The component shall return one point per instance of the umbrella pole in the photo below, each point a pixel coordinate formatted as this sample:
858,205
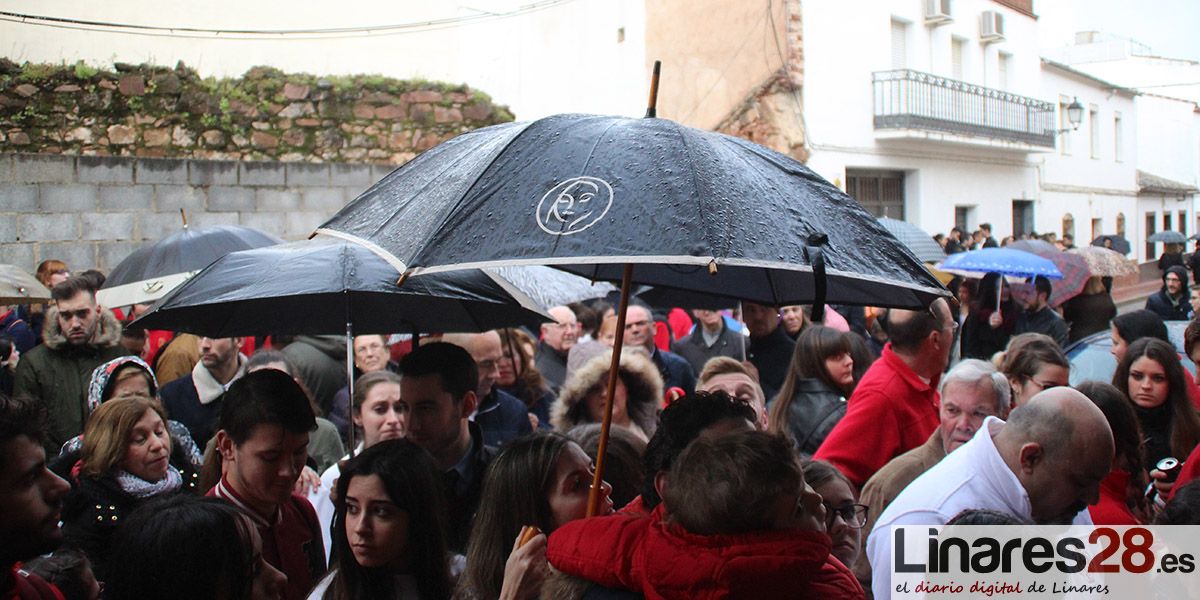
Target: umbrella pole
999,290
613,373
350,379
741,338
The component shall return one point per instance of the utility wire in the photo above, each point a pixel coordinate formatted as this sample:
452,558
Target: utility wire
297,34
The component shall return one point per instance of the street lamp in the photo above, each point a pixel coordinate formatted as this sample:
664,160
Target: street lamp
1074,115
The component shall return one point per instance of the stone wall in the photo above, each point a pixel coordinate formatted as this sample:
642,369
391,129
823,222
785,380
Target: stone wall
150,111
92,211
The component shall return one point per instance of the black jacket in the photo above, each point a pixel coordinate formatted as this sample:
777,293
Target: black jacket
771,355
693,349
463,500
814,410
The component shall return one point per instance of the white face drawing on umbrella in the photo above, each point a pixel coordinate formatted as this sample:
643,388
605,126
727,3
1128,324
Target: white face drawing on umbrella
575,205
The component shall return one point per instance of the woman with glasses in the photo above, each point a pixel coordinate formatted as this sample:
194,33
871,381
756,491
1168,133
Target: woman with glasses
844,517
1032,363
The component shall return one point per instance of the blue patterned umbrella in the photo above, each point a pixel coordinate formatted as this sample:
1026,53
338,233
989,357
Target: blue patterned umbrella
1005,261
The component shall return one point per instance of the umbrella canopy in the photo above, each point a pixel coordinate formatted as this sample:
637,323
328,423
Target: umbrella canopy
915,239
154,270
19,287
692,210
318,287
1005,261
1103,262
1168,237
551,287
1113,242
1074,269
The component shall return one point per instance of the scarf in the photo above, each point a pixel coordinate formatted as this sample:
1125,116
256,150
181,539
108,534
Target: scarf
140,488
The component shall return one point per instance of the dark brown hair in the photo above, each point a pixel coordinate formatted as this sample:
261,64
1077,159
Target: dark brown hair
814,346
1185,424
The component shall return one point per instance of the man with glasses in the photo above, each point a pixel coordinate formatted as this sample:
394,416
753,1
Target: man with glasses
557,339
500,415
970,393
894,408
80,335
1170,302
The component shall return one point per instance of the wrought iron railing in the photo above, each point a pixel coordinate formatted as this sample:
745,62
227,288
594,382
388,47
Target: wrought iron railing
907,99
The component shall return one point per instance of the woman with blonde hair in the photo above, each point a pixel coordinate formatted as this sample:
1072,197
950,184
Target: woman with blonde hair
125,462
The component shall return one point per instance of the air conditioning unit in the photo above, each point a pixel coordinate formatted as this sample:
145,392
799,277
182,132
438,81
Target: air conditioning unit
991,27
937,12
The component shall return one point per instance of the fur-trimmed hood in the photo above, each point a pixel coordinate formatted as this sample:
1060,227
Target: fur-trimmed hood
107,335
642,381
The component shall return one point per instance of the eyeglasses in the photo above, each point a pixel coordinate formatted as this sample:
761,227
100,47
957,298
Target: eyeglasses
854,515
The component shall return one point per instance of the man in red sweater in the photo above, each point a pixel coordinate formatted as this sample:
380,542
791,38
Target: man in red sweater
895,407
263,443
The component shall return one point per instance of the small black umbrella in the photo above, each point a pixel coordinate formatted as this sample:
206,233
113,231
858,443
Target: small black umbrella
323,287
1112,242
152,271
318,287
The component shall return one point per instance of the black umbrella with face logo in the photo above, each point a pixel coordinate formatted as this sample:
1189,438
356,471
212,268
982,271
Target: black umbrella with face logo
635,200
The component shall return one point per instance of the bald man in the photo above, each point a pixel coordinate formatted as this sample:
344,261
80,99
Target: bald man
1045,464
894,408
500,415
557,339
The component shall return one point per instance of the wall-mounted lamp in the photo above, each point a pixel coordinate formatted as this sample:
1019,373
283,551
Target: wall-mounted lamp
1074,115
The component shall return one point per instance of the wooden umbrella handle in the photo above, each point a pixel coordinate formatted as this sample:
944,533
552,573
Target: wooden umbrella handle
613,373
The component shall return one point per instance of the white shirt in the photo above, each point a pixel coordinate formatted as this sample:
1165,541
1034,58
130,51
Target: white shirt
972,477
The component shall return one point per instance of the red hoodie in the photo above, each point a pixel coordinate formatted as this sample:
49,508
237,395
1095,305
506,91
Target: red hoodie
663,562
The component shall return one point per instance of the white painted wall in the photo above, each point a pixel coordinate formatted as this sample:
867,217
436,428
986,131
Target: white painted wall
563,58
845,42
1168,143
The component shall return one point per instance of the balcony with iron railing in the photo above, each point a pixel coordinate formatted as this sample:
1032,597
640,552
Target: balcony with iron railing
920,102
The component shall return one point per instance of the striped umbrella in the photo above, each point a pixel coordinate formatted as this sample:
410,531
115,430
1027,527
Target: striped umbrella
1074,269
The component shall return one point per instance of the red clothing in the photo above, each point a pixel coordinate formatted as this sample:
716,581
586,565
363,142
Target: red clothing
890,412
1111,509
28,586
1189,471
291,539
680,323
661,561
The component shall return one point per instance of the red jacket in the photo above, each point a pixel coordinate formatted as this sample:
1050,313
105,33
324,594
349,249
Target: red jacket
1111,509
1189,471
662,562
890,412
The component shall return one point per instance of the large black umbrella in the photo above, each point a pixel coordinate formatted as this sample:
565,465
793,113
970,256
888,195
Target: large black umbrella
604,197
692,209
152,271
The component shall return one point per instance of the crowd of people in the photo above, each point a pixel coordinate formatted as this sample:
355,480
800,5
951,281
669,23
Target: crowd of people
755,452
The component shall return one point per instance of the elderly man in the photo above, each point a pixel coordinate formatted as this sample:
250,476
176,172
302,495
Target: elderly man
1038,317
195,398
770,349
1045,464
79,335
557,339
500,415
894,408
970,393
639,333
709,339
